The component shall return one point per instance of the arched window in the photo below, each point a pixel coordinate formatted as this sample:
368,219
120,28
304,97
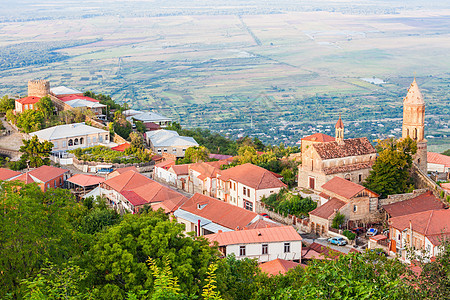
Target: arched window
407,131
415,133
347,177
70,142
81,141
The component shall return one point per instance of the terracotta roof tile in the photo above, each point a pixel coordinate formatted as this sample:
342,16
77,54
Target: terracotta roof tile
339,123
85,180
319,137
28,100
128,180
180,169
121,147
431,223
261,223
326,252
343,187
277,266
126,169
350,147
165,164
439,159
252,176
253,236
7,173
25,177
219,212
47,173
327,209
205,169
348,168
417,204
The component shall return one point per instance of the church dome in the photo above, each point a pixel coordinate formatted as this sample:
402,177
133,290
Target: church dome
414,96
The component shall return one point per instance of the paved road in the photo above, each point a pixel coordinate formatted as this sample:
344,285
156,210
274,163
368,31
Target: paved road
308,239
12,141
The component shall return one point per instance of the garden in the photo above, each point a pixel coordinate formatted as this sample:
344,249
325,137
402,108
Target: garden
287,203
131,155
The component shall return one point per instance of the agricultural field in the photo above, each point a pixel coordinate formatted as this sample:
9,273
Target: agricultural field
278,71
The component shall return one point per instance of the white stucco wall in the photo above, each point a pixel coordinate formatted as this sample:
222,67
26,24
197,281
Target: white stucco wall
275,250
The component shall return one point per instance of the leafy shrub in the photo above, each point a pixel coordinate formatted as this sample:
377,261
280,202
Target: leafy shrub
350,235
287,203
338,220
105,154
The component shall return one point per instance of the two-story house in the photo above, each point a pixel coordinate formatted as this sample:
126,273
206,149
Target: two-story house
71,136
354,201
264,244
246,184
169,141
419,234
204,215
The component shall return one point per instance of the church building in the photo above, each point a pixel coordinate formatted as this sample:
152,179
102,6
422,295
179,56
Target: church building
324,157
414,123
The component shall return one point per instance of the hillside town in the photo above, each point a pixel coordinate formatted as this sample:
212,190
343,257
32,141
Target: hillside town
329,204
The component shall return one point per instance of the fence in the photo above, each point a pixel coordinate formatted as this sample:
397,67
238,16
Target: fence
300,224
85,166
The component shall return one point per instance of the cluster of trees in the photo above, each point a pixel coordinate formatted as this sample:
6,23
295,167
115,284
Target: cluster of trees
390,173
285,202
104,154
53,247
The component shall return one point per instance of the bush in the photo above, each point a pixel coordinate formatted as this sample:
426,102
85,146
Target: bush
286,203
338,220
350,235
105,154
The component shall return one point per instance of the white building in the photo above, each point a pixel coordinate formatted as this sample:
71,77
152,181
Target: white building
246,184
169,141
147,117
438,163
72,136
264,244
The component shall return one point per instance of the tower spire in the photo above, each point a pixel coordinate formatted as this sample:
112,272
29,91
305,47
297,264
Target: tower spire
339,130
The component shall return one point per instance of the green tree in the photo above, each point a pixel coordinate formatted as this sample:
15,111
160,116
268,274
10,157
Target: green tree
390,173
36,153
194,155
338,220
446,152
6,104
136,140
117,260
210,289
30,120
166,284
34,227
46,106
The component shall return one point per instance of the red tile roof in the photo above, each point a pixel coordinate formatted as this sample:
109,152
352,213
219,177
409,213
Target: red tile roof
121,147
434,224
47,173
7,173
29,100
446,186
339,123
326,252
205,169
86,180
252,176
170,205
439,159
66,98
151,126
319,137
378,237
165,164
350,147
348,168
326,210
261,223
343,187
181,169
126,169
253,236
219,212
128,180
277,266
25,177
417,204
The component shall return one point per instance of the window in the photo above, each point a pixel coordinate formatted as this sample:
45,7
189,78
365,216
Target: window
31,106
100,139
70,142
106,137
248,192
55,145
54,182
94,139
184,149
88,140
241,250
265,248
360,177
159,150
234,185
165,150
26,106
354,208
64,144
248,205
75,142
287,247
174,150
244,190
81,141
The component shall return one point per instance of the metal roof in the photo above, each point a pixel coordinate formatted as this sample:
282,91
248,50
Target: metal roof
62,90
66,130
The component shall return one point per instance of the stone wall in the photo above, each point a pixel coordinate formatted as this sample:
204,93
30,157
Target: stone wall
422,181
297,223
400,197
38,88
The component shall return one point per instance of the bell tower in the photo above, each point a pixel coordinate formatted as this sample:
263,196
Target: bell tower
414,123
339,131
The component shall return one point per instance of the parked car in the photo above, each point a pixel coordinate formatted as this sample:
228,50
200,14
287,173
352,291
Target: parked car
264,215
337,241
372,232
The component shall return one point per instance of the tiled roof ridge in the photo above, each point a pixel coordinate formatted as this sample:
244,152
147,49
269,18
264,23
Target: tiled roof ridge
123,186
428,223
